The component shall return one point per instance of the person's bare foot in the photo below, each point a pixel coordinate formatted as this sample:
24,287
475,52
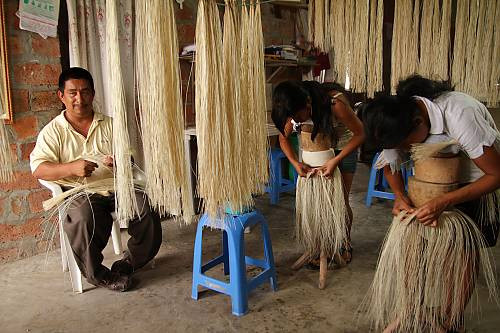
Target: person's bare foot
346,251
392,327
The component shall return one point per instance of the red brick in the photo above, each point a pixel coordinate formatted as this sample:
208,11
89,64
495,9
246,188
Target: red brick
45,100
26,150
37,74
20,100
47,47
13,150
31,227
25,127
8,254
14,46
16,205
35,200
23,180
2,200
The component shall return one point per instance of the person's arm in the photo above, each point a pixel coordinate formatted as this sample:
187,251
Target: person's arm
488,163
56,171
286,147
346,116
401,201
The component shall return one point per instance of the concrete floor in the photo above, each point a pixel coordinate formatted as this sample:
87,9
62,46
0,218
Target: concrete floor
36,296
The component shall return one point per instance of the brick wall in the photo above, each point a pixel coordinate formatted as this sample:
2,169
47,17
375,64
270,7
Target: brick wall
35,65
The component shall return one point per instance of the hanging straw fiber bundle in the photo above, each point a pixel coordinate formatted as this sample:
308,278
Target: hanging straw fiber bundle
493,88
435,39
232,45
216,152
257,123
239,105
375,61
318,21
350,28
471,38
349,35
459,49
404,41
359,44
475,68
126,206
337,26
230,107
6,166
158,81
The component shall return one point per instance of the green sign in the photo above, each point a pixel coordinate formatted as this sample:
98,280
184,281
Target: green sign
46,9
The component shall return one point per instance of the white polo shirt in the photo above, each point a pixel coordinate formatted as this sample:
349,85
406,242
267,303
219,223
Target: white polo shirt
59,142
464,119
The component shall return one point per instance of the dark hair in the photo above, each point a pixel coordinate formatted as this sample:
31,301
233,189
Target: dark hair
290,97
75,73
389,120
417,85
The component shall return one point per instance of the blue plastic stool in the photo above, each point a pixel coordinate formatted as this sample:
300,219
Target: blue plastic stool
234,260
377,185
278,183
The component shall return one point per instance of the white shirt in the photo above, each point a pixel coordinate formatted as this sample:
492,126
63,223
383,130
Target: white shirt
464,119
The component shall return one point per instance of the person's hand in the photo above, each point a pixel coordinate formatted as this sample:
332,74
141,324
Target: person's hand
328,168
303,169
429,213
82,168
402,202
108,161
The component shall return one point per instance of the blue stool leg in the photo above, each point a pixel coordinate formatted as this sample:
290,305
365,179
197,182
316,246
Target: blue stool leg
371,184
238,278
225,252
197,257
268,253
276,181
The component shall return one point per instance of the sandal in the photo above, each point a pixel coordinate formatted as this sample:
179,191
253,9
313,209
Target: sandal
346,250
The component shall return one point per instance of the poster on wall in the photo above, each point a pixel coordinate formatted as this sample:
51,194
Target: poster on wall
39,16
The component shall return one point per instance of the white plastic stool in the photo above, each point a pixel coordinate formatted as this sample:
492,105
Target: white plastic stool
68,259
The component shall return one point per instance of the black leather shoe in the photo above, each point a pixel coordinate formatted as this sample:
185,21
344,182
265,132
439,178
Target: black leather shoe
114,281
122,267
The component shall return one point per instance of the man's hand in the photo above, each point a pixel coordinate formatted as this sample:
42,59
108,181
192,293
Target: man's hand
303,169
108,161
429,213
402,202
82,168
328,168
